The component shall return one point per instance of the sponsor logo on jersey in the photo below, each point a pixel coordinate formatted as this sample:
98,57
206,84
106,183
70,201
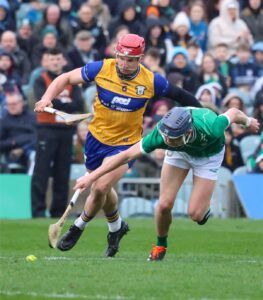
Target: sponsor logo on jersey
121,100
140,89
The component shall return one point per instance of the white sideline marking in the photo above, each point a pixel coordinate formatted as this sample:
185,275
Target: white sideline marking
57,258
66,296
54,258
247,261
51,258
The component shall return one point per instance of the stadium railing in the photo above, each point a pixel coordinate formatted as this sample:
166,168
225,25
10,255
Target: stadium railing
138,196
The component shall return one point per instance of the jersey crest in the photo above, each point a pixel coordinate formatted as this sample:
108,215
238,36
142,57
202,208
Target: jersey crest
140,89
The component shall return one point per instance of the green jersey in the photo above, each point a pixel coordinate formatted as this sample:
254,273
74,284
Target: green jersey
208,135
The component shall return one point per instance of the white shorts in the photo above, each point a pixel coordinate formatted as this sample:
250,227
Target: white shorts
204,167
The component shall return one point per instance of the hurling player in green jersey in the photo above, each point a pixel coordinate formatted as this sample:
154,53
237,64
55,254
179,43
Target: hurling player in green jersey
194,139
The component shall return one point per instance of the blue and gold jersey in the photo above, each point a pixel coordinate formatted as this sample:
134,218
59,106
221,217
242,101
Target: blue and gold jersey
120,104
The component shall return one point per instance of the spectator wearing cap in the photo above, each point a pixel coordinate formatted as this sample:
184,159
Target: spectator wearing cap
82,52
252,14
180,30
22,65
162,10
198,26
244,72
257,51
228,28
52,16
87,21
180,65
49,40
128,16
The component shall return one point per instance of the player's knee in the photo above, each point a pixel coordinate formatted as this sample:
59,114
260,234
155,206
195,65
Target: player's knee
165,206
196,215
101,188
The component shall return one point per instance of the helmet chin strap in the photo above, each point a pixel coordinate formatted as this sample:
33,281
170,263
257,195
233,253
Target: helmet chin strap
186,139
126,76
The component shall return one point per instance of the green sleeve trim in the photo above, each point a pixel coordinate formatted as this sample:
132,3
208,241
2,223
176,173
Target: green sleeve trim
141,147
226,116
220,125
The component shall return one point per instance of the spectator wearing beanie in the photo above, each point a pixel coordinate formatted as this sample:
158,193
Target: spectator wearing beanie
180,30
180,65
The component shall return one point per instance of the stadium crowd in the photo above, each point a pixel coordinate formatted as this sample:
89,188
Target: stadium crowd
213,49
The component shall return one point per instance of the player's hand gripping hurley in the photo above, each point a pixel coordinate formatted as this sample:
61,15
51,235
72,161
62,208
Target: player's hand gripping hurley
54,230
69,118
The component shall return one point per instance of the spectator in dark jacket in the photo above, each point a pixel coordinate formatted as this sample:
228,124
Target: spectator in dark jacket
82,51
88,22
180,65
155,37
21,61
25,38
54,141
17,131
127,16
244,72
9,79
253,16
49,40
232,157
6,21
52,16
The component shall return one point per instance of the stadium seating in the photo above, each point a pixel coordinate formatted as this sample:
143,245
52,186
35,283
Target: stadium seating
139,195
136,207
248,145
240,170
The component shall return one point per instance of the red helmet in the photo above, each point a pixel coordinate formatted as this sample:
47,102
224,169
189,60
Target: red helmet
130,45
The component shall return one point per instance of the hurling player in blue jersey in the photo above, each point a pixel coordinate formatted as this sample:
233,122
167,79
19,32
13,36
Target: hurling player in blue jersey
124,87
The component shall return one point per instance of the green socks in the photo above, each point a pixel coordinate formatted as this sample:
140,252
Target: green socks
162,241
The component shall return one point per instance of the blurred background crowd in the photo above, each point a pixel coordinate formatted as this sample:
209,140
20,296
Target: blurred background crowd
211,48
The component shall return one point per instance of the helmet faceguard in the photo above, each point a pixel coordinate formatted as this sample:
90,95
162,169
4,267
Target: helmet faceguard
131,45
176,124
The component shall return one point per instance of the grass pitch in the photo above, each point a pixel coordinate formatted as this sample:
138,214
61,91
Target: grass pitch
221,260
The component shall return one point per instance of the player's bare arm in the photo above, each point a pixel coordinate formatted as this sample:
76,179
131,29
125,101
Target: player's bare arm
57,86
109,165
238,117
